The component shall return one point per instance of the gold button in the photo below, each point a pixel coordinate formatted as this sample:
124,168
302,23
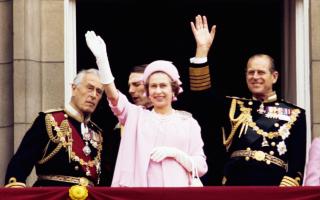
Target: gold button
247,158
76,168
259,155
83,181
273,144
248,148
276,103
250,103
268,162
271,153
276,124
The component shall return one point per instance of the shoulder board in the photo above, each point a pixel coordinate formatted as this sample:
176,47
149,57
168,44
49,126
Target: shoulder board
95,126
240,98
183,113
53,110
291,104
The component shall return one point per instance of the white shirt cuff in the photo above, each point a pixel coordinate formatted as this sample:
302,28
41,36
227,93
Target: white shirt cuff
201,60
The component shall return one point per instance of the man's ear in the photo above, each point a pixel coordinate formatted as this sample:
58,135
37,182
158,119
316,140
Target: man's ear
275,76
73,88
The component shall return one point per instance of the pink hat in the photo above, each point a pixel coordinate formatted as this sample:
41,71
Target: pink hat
163,66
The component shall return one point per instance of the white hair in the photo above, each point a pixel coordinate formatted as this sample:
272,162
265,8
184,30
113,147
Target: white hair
79,77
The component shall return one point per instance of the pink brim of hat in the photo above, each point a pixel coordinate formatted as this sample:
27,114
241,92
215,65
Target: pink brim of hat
163,66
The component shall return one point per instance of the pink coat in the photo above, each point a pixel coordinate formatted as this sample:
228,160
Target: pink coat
144,130
313,164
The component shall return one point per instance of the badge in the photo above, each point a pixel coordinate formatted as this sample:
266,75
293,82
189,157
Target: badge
284,117
282,148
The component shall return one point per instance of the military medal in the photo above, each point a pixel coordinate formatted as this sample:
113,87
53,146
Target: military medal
264,142
282,148
95,139
88,173
86,149
86,137
261,109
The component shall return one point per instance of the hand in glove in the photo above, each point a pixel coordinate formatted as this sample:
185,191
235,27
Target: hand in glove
160,153
99,50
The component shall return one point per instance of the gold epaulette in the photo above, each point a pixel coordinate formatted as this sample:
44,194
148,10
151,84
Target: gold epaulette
53,110
288,181
199,78
55,137
13,183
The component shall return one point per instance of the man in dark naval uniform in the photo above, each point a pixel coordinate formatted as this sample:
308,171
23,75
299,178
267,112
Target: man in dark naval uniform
64,145
265,137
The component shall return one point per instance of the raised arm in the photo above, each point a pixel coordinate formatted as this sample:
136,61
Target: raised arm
201,34
99,50
199,72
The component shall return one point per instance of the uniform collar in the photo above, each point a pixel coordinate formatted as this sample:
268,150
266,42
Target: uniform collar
271,98
72,112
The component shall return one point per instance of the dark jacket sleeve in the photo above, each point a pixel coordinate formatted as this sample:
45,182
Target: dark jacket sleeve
207,107
297,148
29,152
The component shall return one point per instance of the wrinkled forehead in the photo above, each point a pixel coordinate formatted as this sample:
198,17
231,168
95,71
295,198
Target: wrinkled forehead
92,79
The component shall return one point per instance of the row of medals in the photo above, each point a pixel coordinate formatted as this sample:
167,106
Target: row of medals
275,113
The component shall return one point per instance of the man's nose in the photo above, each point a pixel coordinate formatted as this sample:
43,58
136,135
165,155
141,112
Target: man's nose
256,75
131,89
93,93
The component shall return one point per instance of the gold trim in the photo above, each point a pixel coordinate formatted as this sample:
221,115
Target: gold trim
83,181
271,98
242,119
288,181
199,71
62,132
199,77
13,183
64,139
207,79
260,156
200,88
199,84
245,120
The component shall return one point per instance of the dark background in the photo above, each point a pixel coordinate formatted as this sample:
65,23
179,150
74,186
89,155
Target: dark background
138,32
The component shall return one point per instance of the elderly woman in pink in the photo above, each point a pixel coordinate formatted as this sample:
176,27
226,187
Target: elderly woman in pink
313,164
159,147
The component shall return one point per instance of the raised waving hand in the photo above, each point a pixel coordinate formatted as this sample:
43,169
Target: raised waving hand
204,38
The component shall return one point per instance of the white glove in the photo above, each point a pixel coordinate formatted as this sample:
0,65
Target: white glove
160,153
99,50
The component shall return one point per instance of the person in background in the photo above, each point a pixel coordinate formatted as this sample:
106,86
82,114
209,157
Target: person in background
264,136
64,145
158,147
313,164
136,87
